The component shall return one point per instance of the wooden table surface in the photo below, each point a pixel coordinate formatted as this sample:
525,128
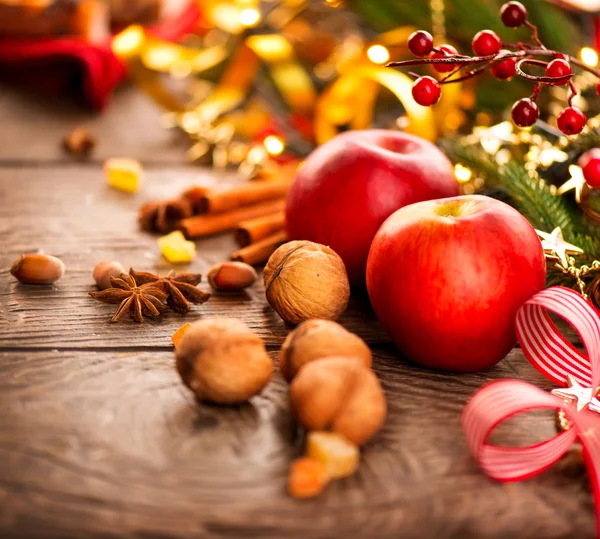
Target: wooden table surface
98,437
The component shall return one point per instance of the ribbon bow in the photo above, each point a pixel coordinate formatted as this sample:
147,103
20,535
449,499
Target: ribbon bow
557,359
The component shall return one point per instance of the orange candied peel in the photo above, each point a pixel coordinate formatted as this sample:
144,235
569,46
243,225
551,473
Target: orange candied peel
175,248
338,454
178,335
307,478
124,174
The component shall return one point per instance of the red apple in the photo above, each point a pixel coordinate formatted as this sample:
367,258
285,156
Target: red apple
446,278
348,186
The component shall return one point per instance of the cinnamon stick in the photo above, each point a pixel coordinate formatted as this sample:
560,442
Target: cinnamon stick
256,229
259,252
245,195
194,194
206,225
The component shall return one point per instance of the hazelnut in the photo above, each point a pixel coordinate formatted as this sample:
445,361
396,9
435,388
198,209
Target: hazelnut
306,280
37,269
231,276
221,360
341,395
103,271
79,142
316,339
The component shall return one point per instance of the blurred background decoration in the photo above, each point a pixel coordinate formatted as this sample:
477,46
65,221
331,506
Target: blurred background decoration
273,78
256,83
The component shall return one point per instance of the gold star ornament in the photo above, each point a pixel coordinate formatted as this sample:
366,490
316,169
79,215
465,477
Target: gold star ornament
576,182
581,397
555,245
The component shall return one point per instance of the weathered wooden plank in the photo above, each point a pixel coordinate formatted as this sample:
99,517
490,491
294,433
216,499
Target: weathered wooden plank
35,124
69,212
111,445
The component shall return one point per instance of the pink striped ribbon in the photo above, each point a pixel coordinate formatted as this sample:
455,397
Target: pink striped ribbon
550,353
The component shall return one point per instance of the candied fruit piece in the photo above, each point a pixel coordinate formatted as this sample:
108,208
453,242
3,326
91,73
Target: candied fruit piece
178,335
338,454
124,174
175,248
307,478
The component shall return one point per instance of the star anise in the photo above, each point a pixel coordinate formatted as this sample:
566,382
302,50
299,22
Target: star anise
140,301
180,288
163,215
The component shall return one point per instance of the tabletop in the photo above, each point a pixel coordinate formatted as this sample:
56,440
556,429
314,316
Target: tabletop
98,436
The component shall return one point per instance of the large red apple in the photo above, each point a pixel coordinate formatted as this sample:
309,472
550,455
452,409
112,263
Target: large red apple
348,186
446,278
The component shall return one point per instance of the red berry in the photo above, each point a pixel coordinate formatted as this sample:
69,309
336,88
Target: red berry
426,91
559,69
590,164
571,121
513,14
506,69
598,89
486,42
420,43
525,112
450,51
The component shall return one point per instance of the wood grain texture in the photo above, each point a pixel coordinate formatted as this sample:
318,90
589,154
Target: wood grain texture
98,437
111,443
34,126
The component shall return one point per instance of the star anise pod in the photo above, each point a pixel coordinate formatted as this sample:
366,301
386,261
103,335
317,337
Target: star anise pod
163,215
180,288
140,301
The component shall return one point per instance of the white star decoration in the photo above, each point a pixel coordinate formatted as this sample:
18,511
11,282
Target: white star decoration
584,396
557,246
576,182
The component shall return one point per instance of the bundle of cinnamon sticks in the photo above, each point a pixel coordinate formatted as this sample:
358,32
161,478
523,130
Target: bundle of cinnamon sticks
254,212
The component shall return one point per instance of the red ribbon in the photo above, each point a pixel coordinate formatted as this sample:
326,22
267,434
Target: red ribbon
555,357
58,64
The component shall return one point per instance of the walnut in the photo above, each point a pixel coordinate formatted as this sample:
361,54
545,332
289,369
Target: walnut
316,339
306,280
341,395
221,360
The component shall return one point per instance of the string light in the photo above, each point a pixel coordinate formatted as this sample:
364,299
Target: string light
462,173
274,145
249,17
378,54
589,56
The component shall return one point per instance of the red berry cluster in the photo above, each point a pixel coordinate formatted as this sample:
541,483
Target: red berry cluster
504,61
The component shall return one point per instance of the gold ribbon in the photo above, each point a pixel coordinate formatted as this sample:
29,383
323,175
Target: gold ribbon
348,101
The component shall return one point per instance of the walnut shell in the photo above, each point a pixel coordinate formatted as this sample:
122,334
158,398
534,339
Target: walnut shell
223,361
305,280
339,394
316,339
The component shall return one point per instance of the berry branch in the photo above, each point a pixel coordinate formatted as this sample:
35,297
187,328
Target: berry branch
504,61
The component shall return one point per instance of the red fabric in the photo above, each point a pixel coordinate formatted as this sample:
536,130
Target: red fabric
70,64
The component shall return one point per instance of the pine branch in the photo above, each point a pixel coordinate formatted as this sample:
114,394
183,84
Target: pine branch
584,142
534,199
